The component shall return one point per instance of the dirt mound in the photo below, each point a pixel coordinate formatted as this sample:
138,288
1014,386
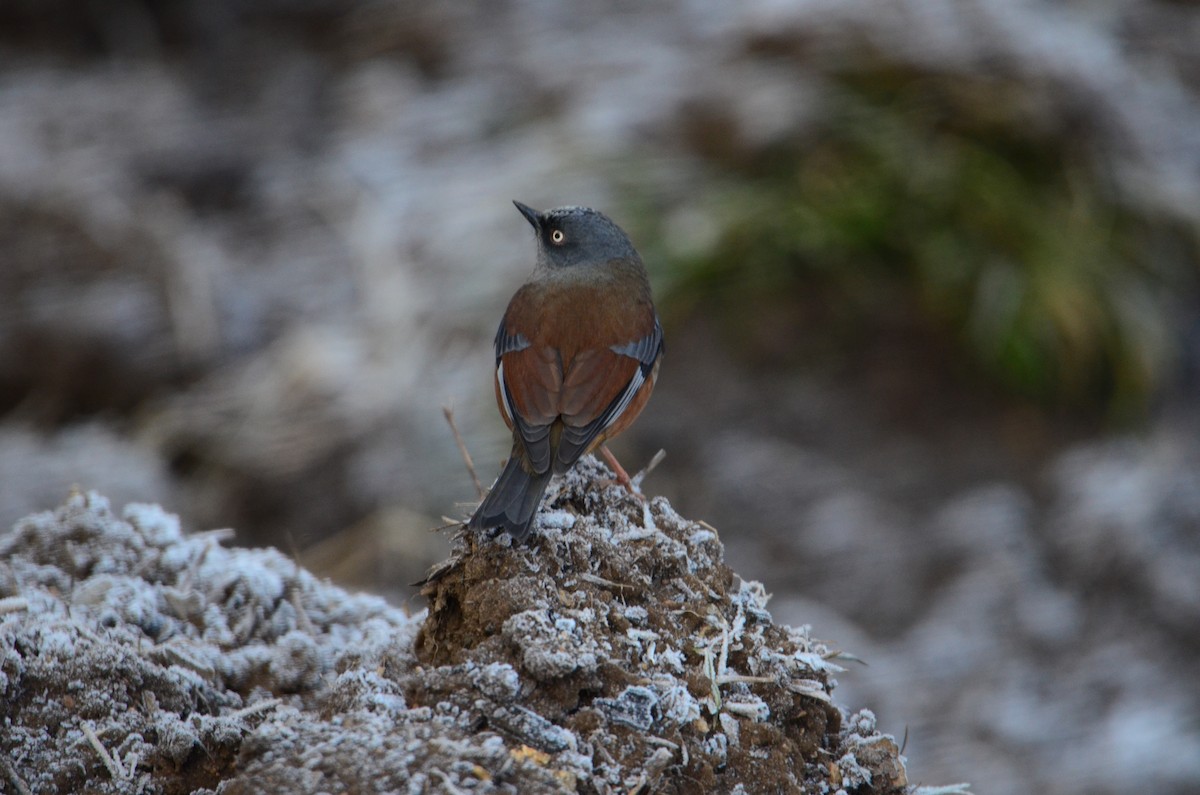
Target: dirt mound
615,653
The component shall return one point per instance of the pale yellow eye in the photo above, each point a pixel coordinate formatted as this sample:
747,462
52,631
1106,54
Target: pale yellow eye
557,236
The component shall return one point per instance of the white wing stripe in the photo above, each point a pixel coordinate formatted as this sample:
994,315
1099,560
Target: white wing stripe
634,385
504,391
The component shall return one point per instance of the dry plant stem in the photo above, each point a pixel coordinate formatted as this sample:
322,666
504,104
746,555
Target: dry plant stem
655,460
447,783
14,779
596,580
254,709
114,765
462,449
13,604
302,619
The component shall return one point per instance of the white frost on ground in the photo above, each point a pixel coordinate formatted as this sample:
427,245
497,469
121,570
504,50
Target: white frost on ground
139,645
137,658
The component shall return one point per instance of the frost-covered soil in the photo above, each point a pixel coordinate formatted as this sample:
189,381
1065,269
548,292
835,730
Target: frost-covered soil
248,250
615,653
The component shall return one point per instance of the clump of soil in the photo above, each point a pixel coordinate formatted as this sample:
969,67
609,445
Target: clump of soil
614,653
135,658
636,647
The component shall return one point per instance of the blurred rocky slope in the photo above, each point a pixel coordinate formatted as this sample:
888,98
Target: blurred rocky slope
247,251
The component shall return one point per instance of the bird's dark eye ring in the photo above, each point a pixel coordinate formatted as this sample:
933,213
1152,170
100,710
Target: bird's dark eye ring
557,236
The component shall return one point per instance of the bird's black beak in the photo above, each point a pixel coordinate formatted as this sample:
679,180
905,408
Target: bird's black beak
531,215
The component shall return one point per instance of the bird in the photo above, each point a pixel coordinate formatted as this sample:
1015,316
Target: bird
577,356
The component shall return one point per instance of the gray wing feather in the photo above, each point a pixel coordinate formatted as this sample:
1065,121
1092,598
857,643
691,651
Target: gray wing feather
507,343
646,350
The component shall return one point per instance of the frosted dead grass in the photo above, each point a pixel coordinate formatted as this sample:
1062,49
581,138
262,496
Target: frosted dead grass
137,658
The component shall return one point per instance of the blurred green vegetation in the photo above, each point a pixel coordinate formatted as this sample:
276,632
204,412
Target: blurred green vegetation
943,208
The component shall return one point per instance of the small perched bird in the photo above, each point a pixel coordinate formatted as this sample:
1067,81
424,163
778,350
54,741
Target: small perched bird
577,355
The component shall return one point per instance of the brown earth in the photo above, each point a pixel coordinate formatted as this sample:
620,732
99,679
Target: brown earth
616,652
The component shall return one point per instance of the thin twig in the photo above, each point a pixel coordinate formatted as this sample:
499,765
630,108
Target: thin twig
462,448
655,460
297,599
11,775
745,710
113,764
727,679
661,742
595,579
447,783
255,708
12,604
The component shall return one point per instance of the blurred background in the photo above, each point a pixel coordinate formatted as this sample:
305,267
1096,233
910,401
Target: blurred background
928,271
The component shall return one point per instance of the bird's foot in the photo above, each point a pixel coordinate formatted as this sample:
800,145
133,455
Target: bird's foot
622,478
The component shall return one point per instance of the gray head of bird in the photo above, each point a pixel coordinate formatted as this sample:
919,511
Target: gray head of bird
570,237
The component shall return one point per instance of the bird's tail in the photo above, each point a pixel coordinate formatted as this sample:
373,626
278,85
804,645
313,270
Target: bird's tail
513,501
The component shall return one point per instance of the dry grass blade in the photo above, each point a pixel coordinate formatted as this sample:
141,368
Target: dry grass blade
462,449
13,778
110,762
